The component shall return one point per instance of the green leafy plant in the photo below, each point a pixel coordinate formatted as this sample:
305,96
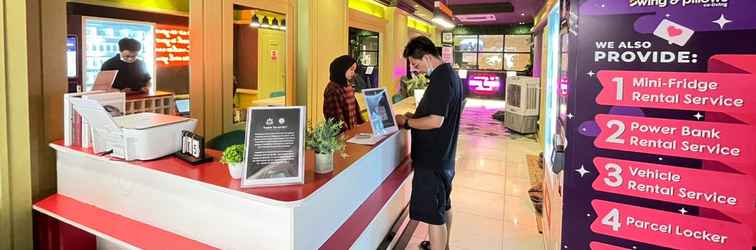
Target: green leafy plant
324,137
233,154
411,84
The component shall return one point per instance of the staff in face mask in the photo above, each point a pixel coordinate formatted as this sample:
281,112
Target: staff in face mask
132,74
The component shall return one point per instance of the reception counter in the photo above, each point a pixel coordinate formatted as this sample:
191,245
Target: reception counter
203,204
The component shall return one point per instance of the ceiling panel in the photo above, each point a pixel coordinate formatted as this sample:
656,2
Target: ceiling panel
522,10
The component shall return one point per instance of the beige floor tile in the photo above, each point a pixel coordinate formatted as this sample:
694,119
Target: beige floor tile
519,211
517,237
484,165
517,187
480,181
517,172
481,152
476,202
470,231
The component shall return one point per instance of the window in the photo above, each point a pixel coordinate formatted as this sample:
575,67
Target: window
492,52
491,43
364,46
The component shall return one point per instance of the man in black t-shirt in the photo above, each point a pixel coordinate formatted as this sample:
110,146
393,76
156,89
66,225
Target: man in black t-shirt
132,74
435,127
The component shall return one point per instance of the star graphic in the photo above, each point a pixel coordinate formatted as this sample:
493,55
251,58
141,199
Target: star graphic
589,215
590,73
570,115
698,116
582,171
565,247
722,21
634,247
683,211
661,159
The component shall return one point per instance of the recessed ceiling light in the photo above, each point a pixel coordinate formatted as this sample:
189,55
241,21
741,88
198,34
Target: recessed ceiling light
522,14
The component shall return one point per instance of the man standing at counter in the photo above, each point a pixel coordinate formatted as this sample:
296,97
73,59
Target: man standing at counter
132,74
435,127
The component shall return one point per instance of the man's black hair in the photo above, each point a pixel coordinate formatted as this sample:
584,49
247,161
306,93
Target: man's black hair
419,47
129,44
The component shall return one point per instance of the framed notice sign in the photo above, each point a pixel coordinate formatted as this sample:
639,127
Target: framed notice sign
274,147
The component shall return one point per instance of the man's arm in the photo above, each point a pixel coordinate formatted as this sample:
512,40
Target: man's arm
423,123
427,122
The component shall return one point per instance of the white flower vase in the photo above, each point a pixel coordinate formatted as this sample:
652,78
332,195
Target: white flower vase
323,163
236,170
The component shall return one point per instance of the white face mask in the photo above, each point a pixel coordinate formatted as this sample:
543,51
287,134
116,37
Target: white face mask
428,64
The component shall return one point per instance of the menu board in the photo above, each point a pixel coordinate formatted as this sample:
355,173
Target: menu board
274,148
661,124
171,45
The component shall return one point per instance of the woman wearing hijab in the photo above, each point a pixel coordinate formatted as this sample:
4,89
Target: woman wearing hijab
340,103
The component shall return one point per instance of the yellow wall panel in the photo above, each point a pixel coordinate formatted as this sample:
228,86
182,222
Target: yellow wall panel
15,145
325,31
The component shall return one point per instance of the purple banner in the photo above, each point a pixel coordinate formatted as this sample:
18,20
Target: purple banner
655,60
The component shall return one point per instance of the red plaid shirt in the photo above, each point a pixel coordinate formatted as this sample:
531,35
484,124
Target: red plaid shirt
341,105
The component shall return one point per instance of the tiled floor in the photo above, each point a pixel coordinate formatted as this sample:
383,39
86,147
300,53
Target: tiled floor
489,197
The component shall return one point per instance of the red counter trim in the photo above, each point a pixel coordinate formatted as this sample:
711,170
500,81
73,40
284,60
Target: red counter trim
351,230
109,225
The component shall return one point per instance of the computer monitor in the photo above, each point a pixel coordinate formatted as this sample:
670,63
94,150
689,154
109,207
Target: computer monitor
104,80
380,112
182,107
72,56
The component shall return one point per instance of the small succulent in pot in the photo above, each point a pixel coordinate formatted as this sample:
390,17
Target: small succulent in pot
233,156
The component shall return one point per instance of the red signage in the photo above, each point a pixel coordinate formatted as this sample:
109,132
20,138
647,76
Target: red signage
171,45
484,84
443,8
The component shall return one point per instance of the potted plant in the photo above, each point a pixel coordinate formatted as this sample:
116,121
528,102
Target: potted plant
418,81
233,156
324,139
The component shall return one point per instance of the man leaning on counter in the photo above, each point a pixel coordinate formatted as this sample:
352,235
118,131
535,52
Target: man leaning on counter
132,74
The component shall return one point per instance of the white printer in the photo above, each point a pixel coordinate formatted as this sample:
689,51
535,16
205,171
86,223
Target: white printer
142,136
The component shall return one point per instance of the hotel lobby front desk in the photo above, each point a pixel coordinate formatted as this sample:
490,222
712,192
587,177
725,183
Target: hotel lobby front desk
352,207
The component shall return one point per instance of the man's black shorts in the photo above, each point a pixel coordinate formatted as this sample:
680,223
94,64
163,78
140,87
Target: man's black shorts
430,195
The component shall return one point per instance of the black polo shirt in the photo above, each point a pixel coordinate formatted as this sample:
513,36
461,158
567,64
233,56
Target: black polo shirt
436,148
130,75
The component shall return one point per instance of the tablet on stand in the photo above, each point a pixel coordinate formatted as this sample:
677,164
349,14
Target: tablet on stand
380,116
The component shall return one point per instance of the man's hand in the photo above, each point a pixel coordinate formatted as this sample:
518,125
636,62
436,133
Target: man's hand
401,120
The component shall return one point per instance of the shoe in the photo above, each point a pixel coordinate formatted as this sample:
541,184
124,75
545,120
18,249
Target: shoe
425,245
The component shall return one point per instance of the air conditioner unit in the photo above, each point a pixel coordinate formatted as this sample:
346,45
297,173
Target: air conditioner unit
521,112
